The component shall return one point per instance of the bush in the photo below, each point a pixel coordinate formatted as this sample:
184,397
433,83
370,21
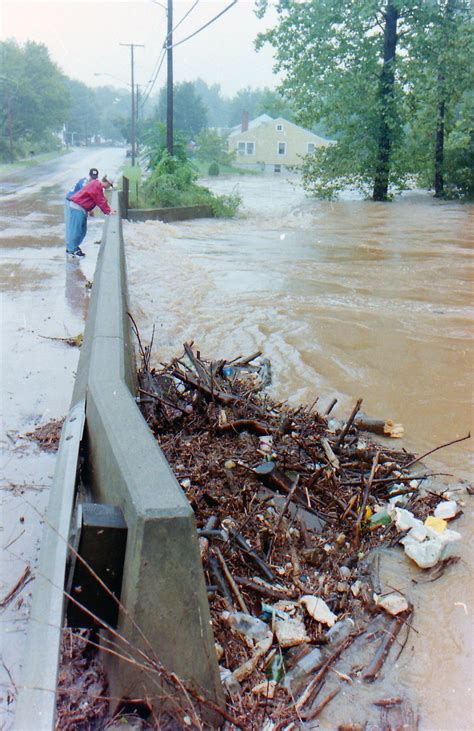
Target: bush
173,183
213,168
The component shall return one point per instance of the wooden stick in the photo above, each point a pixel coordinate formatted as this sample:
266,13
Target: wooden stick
441,446
263,589
332,459
378,660
230,579
330,407
316,711
348,424
281,514
24,579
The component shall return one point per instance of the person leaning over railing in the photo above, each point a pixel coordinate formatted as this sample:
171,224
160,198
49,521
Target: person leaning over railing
81,204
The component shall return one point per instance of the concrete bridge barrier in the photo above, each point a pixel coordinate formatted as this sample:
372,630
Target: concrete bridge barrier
163,590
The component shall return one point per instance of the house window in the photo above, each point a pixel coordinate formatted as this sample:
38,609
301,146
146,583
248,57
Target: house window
246,148
281,149
279,128
311,148
277,169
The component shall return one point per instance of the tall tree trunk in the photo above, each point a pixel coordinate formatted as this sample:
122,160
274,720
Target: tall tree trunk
440,124
439,151
387,85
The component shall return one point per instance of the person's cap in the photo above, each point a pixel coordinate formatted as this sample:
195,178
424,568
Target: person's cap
93,173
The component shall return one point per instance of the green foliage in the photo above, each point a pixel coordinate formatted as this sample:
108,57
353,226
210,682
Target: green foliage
387,114
212,146
173,183
35,98
213,168
154,141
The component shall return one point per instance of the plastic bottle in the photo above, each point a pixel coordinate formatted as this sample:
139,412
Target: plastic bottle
247,625
229,681
296,677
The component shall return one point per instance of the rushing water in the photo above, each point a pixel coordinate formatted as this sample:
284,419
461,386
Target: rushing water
352,299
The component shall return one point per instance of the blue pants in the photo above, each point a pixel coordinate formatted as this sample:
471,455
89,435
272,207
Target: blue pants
76,229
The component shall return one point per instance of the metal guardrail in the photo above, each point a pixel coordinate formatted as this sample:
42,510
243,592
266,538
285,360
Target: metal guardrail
163,588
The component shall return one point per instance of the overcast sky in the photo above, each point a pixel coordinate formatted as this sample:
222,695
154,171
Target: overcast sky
83,38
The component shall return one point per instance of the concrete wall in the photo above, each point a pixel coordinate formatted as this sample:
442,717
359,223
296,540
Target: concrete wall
168,215
163,588
166,612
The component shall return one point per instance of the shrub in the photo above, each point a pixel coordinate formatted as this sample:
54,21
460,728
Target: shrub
213,168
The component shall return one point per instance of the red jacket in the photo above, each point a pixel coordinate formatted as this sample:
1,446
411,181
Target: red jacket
90,196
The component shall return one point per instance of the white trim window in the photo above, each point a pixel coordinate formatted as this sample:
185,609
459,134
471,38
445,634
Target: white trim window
281,148
279,128
246,148
311,148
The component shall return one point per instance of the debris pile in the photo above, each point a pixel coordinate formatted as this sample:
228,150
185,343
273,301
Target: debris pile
47,435
289,506
82,686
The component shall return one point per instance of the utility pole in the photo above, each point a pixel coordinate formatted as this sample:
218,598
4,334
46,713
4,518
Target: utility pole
169,87
132,46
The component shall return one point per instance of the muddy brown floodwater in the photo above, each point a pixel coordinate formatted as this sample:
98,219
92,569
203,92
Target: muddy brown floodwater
351,299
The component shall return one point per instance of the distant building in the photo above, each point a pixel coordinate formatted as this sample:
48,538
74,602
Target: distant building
271,144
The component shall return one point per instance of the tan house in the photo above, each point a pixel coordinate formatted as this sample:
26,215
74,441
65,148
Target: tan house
271,144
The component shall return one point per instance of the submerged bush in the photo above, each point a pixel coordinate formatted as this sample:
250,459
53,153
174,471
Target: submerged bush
213,168
173,183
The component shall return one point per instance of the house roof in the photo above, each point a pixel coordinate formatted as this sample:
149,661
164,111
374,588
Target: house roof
252,124
265,119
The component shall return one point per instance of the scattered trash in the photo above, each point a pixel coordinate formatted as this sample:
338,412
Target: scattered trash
290,632
246,624
393,603
446,510
291,505
318,610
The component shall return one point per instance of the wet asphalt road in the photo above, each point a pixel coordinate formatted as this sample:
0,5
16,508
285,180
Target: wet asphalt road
44,298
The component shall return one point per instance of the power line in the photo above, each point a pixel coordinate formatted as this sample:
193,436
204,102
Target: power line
174,45
185,16
147,93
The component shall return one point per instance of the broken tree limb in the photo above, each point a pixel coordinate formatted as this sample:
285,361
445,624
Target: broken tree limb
24,579
441,446
198,366
264,589
242,542
221,396
231,582
314,712
331,457
252,425
348,424
378,660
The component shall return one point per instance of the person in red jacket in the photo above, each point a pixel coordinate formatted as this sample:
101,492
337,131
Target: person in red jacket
81,204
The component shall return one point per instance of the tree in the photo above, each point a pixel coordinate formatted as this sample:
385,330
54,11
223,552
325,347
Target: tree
83,117
377,73
212,147
35,96
216,105
341,68
190,115
440,42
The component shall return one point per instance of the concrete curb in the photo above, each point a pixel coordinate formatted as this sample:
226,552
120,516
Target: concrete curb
36,703
167,612
168,215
